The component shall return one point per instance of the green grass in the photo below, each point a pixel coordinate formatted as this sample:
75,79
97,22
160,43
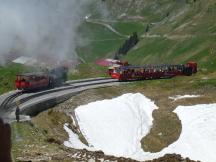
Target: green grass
39,137
94,32
150,50
100,42
206,83
23,135
8,76
99,49
88,71
128,28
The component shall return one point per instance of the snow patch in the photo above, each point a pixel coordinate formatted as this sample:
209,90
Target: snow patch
117,126
179,97
25,60
198,138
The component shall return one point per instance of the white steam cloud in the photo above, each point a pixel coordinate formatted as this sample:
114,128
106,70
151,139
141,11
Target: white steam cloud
40,27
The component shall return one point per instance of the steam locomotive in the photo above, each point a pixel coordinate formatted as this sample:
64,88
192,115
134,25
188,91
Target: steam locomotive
127,73
40,80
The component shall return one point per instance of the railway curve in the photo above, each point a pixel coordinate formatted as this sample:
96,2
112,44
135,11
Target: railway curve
33,103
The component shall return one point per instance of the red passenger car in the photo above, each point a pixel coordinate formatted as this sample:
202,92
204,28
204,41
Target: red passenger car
125,73
40,80
32,81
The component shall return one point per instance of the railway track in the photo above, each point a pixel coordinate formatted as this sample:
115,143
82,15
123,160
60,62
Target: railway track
9,103
6,103
86,80
68,87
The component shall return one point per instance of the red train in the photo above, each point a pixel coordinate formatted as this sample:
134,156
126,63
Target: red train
126,73
40,80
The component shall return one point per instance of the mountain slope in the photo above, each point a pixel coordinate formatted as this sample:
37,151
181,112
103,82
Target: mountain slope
170,31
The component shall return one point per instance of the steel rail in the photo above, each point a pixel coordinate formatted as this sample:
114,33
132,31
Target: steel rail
9,103
63,89
9,100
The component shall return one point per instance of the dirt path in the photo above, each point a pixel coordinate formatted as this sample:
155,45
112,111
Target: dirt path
172,36
107,26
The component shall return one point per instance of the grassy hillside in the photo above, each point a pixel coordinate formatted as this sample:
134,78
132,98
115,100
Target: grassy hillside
178,31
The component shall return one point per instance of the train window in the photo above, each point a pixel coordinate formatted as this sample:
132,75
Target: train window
116,70
35,78
32,78
23,78
18,78
179,68
39,77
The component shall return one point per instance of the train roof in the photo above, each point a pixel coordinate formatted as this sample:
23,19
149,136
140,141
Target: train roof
149,66
32,74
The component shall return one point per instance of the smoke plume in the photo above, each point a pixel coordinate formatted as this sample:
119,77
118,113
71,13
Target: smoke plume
40,27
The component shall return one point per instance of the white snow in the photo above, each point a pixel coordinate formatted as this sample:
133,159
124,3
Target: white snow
198,138
74,141
117,126
179,97
25,60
